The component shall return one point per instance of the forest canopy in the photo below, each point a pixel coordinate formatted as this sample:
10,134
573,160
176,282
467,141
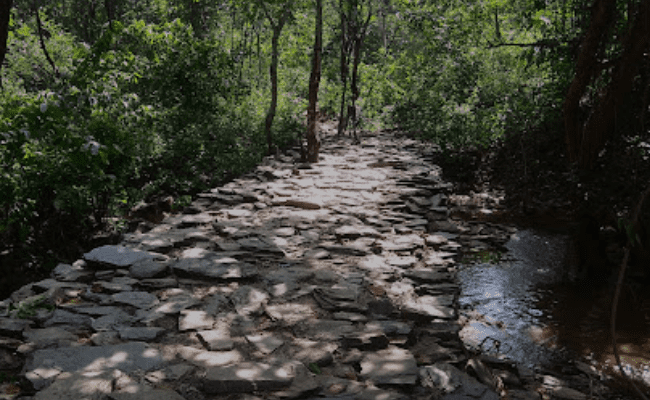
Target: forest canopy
108,103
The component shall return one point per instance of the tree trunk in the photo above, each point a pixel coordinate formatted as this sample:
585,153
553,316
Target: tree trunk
603,118
586,67
5,12
497,30
42,40
109,13
273,69
345,52
313,141
585,140
359,36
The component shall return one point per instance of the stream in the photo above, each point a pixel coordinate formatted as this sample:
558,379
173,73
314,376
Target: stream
522,308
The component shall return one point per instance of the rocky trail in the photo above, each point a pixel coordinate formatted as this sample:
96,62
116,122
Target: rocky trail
334,280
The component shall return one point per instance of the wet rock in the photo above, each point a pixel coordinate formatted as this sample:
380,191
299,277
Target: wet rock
455,382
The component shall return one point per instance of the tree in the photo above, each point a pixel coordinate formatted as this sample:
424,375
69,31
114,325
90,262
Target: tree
39,25
585,138
276,25
353,32
5,11
313,141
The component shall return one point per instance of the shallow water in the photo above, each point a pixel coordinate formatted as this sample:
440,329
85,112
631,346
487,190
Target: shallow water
506,295
523,305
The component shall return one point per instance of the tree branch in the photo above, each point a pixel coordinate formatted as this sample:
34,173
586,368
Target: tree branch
541,43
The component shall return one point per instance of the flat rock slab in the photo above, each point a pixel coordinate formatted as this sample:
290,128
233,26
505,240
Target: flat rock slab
69,273
455,382
149,269
153,394
44,365
248,377
391,366
140,333
49,336
430,307
87,385
13,327
195,320
428,275
136,299
249,301
290,313
110,257
202,358
216,339
266,343
111,322
323,329
204,264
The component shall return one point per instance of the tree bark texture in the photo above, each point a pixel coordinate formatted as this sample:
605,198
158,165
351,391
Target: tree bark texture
345,54
109,13
602,120
273,69
586,138
586,66
359,34
313,141
42,40
5,10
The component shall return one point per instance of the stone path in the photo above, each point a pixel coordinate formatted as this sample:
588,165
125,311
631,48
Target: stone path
329,281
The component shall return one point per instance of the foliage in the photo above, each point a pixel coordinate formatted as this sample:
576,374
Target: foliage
146,108
169,96
26,309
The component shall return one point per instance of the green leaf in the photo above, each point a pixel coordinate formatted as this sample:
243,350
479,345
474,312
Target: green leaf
314,368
